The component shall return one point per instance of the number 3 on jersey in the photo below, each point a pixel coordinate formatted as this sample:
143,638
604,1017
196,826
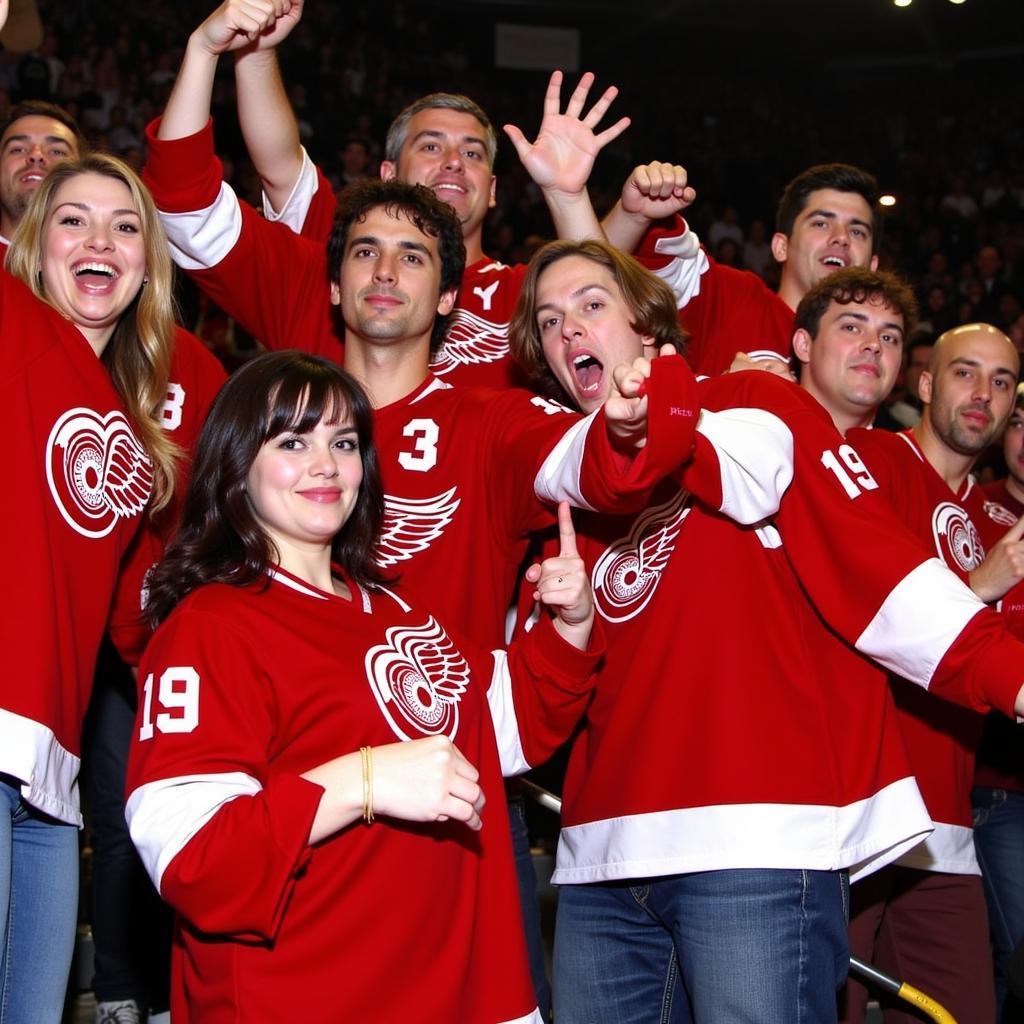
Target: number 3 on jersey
178,695
849,470
423,456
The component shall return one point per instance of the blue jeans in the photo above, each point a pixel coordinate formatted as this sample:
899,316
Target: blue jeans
999,843
38,910
714,947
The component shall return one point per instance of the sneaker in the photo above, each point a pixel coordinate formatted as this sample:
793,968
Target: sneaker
123,1011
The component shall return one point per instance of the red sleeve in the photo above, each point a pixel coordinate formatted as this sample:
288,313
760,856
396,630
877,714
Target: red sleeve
269,279
724,310
222,837
591,471
551,686
320,215
867,575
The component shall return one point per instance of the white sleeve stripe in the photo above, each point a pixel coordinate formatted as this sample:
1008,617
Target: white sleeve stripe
763,354
200,239
296,206
755,456
503,715
919,621
163,816
559,476
688,265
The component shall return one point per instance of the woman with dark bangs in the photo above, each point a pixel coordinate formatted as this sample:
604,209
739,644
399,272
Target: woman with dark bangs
313,754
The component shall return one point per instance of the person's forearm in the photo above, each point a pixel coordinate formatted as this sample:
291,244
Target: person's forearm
188,108
573,215
268,124
624,230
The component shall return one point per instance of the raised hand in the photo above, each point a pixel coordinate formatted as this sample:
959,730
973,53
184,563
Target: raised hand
563,585
656,190
240,23
562,156
626,407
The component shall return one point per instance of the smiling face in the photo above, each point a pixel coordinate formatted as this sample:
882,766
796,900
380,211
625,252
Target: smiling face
970,389
390,279
446,151
585,328
831,232
93,253
851,364
303,487
29,147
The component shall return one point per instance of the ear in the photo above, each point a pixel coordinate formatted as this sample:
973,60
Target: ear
780,247
924,387
802,342
649,347
388,171
335,294
874,263
491,201
447,301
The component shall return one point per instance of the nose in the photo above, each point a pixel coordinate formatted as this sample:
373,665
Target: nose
99,238
453,159
982,391
324,462
36,155
571,328
384,271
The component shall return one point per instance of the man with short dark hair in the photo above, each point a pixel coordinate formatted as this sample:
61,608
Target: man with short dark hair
826,220
34,136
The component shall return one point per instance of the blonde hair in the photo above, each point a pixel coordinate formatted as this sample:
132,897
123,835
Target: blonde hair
138,355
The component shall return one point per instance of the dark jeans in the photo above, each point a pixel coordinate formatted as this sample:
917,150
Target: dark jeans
528,903
131,926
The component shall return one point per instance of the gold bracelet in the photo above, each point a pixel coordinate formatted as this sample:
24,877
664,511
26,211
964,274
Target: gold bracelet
367,755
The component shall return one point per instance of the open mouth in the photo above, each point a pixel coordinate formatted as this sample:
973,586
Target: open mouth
834,261
101,273
588,372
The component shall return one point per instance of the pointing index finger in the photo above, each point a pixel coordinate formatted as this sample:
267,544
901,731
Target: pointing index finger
566,532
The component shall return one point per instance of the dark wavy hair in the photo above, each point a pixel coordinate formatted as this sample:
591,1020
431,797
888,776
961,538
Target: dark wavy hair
838,177
856,284
220,539
651,304
416,202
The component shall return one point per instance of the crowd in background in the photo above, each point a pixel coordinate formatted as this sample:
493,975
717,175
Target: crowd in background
952,155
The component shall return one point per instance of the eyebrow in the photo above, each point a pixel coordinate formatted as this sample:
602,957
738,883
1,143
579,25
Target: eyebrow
976,363
832,215
85,207
49,139
863,318
575,295
403,244
433,133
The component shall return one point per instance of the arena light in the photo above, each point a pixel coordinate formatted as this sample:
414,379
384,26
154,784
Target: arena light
887,200
902,3
957,2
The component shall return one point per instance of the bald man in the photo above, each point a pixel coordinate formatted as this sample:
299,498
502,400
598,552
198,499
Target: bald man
924,918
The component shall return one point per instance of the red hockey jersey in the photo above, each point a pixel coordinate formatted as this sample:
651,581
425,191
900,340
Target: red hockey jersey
466,471
723,733
725,310
941,738
242,690
82,480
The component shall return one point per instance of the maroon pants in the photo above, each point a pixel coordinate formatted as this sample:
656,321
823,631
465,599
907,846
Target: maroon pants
929,930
